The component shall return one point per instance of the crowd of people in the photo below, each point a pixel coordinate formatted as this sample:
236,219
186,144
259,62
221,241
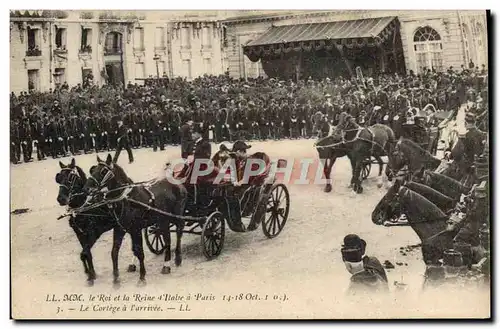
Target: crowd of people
85,118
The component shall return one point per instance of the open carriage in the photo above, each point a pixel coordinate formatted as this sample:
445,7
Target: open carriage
262,201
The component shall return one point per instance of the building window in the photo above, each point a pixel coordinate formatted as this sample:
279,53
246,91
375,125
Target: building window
60,38
33,80
479,36
186,37
87,77
139,38
33,42
224,37
160,38
86,41
140,71
206,37
113,45
207,63
428,49
59,76
186,65
161,68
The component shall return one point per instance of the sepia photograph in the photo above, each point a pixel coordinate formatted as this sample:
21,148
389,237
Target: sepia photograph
249,164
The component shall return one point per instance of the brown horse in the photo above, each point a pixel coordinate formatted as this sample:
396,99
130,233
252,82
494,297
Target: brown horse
359,144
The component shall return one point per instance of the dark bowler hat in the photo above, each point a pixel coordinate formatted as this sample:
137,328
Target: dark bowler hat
240,146
353,248
354,241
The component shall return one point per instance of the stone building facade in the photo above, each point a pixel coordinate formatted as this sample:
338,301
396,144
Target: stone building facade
47,48
438,39
51,47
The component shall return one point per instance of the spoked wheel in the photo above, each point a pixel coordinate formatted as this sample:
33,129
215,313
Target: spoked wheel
277,208
155,239
366,169
212,236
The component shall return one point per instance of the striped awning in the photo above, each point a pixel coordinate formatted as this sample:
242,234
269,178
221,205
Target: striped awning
306,37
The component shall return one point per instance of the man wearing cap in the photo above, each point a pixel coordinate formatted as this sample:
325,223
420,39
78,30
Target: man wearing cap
367,272
122,141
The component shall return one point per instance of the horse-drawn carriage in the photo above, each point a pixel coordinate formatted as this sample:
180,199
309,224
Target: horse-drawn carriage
417,130
262,201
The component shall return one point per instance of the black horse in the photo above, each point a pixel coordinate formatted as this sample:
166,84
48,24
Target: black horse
442,183
131,206
429,222
408,153
88,225
358,143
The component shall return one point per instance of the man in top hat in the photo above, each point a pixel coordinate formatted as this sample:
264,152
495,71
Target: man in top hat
122,141
367,272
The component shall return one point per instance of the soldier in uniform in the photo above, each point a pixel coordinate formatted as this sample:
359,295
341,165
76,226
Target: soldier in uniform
175,126
26,139
165,136
155,130
38,129
186,139
294,125
15,142
122,142
53,136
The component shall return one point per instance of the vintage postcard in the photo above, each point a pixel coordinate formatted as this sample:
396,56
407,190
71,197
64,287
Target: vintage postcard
249,164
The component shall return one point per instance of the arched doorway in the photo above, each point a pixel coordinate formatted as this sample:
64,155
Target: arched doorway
113,59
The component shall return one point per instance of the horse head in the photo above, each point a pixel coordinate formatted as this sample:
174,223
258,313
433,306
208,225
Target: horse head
396,160
106,175
389,206
71,180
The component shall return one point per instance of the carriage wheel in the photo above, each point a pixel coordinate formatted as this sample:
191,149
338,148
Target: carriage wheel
278,206
366,169
155,239
212,236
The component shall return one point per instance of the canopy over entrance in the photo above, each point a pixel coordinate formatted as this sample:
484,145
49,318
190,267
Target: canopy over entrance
359,33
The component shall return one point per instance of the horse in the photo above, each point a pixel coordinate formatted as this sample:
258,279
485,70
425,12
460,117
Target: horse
408,153
442,183
329,149
89,225
133,210
362,143
431,224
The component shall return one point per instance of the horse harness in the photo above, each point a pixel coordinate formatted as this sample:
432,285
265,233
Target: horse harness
357,137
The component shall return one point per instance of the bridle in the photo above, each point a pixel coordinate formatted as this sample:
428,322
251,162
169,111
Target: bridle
106,177
404,170
70,181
